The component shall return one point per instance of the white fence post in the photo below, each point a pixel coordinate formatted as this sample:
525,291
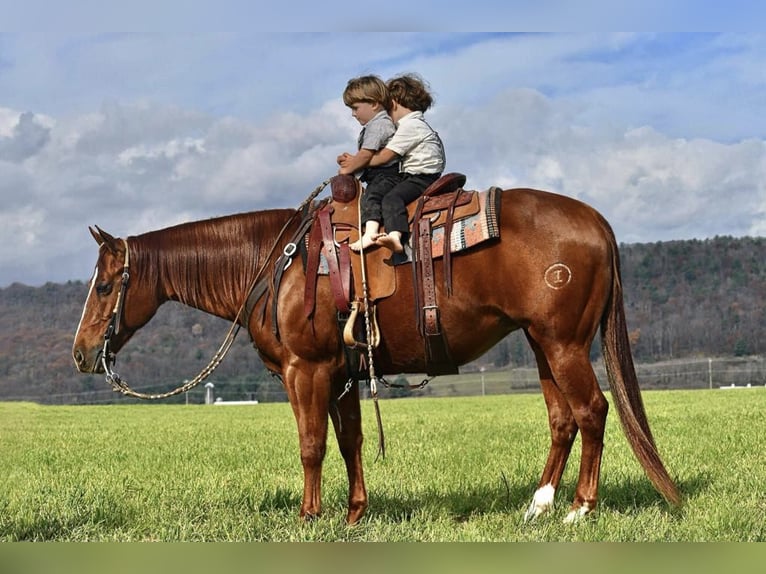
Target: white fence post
209,393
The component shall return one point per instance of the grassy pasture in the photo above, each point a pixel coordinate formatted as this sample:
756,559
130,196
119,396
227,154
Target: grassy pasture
457,469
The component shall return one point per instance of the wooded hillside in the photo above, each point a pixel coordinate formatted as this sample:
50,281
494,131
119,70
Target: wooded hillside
683,299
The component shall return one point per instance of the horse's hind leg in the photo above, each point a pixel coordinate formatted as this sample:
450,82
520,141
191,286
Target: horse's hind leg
574,377
563,429
347,419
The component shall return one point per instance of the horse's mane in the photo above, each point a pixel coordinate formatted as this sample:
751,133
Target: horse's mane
208,263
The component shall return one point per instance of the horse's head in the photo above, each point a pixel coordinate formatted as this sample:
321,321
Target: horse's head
112,311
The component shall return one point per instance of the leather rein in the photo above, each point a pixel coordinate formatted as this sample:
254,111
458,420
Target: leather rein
108,358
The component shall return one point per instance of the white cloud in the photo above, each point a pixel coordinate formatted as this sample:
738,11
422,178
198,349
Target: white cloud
8,121
651,186
25,138
640,136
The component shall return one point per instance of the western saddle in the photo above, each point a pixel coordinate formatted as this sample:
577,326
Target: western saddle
332,224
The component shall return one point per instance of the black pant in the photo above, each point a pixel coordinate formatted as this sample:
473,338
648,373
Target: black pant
379,182
394,205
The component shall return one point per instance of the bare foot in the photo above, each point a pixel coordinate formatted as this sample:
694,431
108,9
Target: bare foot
390,241
364,242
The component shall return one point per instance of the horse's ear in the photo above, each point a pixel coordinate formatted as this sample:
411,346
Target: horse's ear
103,238
95,235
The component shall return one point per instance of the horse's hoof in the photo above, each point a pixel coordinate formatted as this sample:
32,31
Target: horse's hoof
542,502
355,512
309,516
577,514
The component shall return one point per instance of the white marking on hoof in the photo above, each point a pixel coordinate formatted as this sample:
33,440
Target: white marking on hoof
577,514
542,502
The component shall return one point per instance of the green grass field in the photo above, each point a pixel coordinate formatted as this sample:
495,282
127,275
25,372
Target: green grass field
461,469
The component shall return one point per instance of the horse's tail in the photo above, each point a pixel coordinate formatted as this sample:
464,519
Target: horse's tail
623,383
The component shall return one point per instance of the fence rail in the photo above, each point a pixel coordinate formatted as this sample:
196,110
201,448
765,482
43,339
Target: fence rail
702,373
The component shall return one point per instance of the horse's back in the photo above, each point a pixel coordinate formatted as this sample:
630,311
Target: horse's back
539,229
547,214
554,252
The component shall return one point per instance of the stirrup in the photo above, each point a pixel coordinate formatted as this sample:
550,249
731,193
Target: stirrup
348,330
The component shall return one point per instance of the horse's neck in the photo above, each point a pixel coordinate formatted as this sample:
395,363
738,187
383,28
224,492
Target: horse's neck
212,276
211,266
198,285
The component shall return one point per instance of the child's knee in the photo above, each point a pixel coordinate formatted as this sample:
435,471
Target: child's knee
390,200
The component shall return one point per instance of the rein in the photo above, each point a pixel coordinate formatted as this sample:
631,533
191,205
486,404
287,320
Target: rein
370,337
108,358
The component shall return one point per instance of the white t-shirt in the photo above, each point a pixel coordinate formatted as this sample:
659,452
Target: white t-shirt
419,147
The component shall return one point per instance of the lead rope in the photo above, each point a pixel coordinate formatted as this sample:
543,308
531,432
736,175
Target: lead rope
368,328
120,385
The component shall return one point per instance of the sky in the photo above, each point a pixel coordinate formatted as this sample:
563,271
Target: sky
663,132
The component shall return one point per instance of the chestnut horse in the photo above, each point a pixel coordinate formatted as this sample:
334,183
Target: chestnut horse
554,273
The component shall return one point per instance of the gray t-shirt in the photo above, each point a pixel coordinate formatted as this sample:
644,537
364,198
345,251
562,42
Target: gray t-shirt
376,133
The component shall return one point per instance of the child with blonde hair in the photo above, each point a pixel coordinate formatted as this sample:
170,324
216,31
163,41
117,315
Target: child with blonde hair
367,96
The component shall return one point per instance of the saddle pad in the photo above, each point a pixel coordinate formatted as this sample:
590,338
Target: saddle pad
472,230
437,208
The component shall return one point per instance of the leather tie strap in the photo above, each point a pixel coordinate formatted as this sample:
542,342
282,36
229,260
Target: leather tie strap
430,310
417,276
344,259
448,243
438,358
337,281
312,269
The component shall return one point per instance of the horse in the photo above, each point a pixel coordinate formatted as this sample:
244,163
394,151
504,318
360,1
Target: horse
554,273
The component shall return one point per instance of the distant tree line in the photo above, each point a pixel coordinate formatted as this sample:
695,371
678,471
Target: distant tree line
683,299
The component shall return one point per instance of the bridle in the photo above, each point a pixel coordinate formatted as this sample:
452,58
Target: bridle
107,357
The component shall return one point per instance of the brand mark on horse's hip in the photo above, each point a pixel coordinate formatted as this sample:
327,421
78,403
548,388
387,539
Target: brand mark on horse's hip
558,276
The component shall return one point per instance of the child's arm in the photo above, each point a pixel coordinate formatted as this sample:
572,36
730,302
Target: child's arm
353,163
383,157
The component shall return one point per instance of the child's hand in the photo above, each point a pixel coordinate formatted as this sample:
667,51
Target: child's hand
343,158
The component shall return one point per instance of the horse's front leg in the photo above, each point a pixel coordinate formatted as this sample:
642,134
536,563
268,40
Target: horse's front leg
347,419
308,388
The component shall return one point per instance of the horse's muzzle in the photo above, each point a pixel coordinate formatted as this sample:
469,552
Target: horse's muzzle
84,364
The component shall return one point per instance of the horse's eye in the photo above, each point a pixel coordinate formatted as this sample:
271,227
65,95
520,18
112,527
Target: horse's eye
104,288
